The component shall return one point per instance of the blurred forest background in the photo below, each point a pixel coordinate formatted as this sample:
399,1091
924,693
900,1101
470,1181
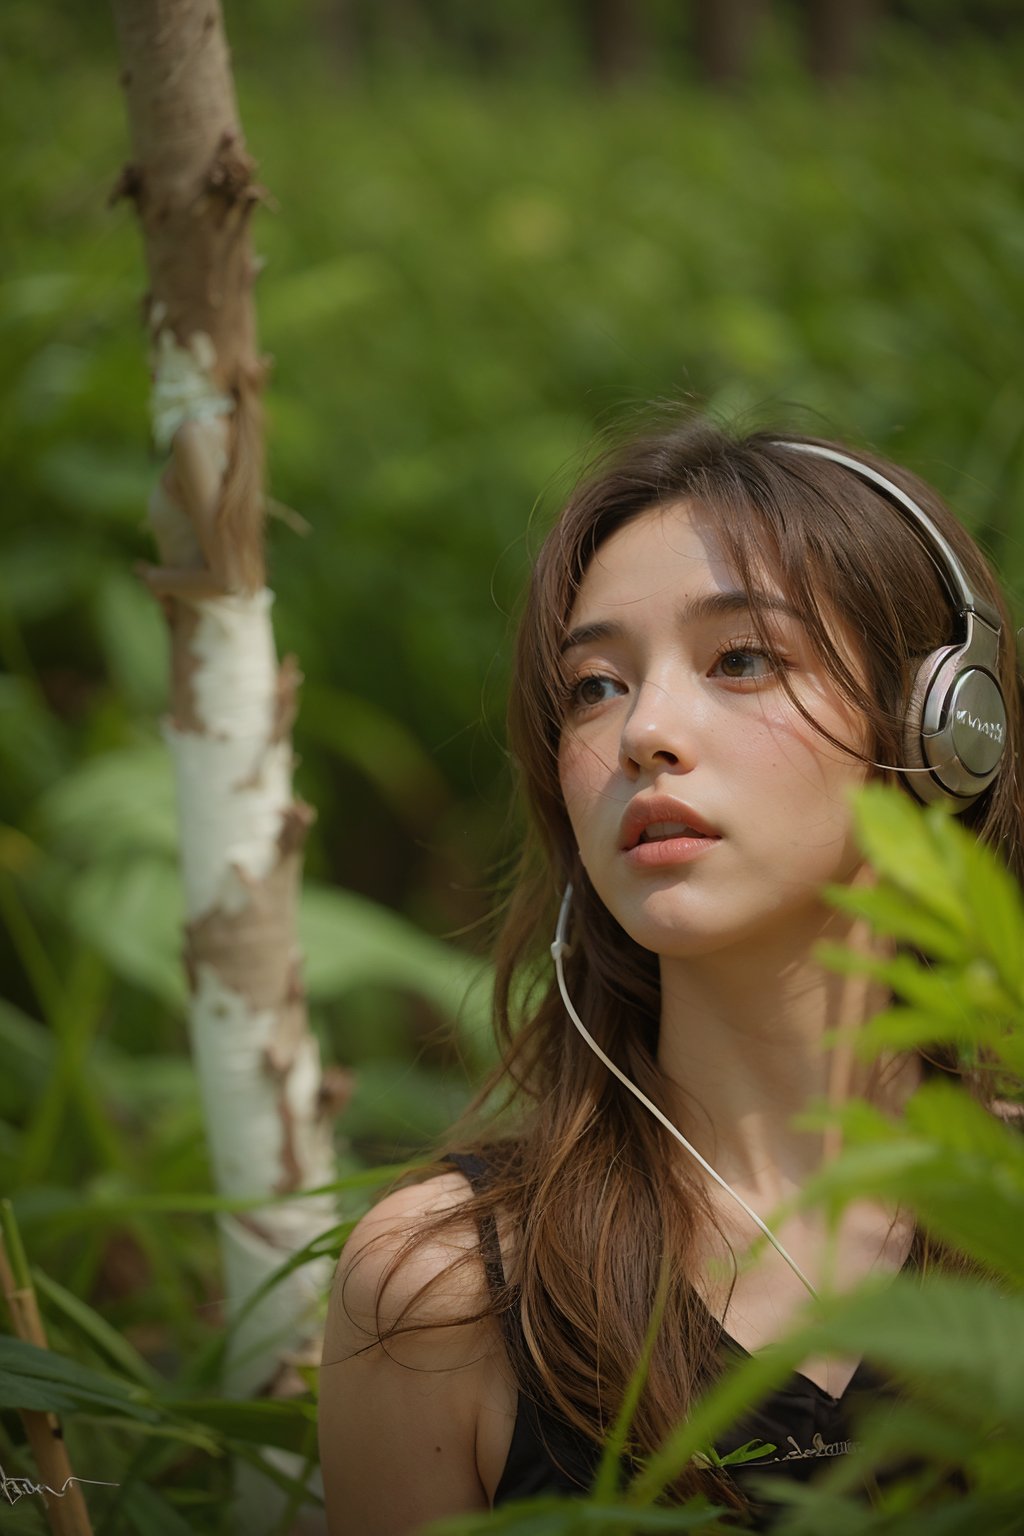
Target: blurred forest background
494,231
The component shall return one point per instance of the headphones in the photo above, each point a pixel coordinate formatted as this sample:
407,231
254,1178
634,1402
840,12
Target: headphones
954,740
954,735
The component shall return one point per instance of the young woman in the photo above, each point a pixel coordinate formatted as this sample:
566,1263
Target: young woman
723,638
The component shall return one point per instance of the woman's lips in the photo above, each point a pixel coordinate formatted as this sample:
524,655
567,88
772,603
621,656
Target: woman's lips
658,830
669,850
660,817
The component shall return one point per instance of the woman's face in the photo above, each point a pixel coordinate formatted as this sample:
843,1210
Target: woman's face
707,811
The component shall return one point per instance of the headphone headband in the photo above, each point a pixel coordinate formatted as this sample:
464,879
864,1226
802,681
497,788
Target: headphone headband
954,577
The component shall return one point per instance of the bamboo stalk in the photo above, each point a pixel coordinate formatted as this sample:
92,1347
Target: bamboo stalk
65,1506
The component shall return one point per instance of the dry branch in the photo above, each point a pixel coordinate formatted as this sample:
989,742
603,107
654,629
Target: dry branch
65,1505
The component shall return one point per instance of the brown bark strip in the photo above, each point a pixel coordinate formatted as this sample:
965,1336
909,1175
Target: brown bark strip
289,680
244,948
193,187
183,623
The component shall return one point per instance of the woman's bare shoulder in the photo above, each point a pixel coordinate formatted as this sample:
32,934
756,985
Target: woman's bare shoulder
406,1372
397,1263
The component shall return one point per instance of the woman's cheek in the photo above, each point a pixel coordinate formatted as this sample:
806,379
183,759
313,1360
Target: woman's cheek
584,764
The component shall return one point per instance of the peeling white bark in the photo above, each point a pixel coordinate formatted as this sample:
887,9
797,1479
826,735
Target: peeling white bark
183,388
246,1129
259,1074
234,782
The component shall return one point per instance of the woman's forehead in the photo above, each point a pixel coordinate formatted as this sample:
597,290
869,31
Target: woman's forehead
679,557
673,549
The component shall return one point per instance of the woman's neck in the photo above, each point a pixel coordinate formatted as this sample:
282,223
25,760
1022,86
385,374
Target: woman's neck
743,1042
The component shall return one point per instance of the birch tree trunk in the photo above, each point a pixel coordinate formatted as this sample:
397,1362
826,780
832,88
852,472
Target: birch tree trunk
232,706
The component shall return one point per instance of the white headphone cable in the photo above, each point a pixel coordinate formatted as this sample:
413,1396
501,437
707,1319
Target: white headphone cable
559,948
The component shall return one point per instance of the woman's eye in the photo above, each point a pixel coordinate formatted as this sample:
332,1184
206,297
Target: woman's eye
588,691
747,665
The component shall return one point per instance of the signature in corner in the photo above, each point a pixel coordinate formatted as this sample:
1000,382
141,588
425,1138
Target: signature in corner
15,1488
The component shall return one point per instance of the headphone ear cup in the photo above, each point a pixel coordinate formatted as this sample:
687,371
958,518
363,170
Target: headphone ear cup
913,744
955,729
914,713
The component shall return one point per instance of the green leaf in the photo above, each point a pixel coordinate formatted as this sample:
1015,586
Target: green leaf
349,941
1010,1050
752,1450
381,747
970,1208
948,1115
169,1431
327,1244
889,912
113,806
33,751
112,485
954,1339
995,900
41,1379
577,1517
110,1202
107,1340
954,1165
40,575
894,1429
900,844
299,1491
401,1104
131,912
287,1423
134,638
965,1005
149,1514
897,1029
28,1050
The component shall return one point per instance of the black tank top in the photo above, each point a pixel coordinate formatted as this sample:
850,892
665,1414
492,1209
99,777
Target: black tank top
807,1427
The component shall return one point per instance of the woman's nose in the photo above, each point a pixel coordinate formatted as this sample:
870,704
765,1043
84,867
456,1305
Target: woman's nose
657,733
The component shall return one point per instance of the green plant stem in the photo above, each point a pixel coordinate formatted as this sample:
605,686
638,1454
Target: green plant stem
30,950
73,1011
14,1246
75,1017
122,1206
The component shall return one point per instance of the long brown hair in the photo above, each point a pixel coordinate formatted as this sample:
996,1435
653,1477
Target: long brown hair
578,1171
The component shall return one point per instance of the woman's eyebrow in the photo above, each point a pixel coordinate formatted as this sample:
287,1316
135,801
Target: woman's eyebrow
710,605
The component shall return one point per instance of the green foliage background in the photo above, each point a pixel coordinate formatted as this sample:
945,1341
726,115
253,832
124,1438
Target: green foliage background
466,280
